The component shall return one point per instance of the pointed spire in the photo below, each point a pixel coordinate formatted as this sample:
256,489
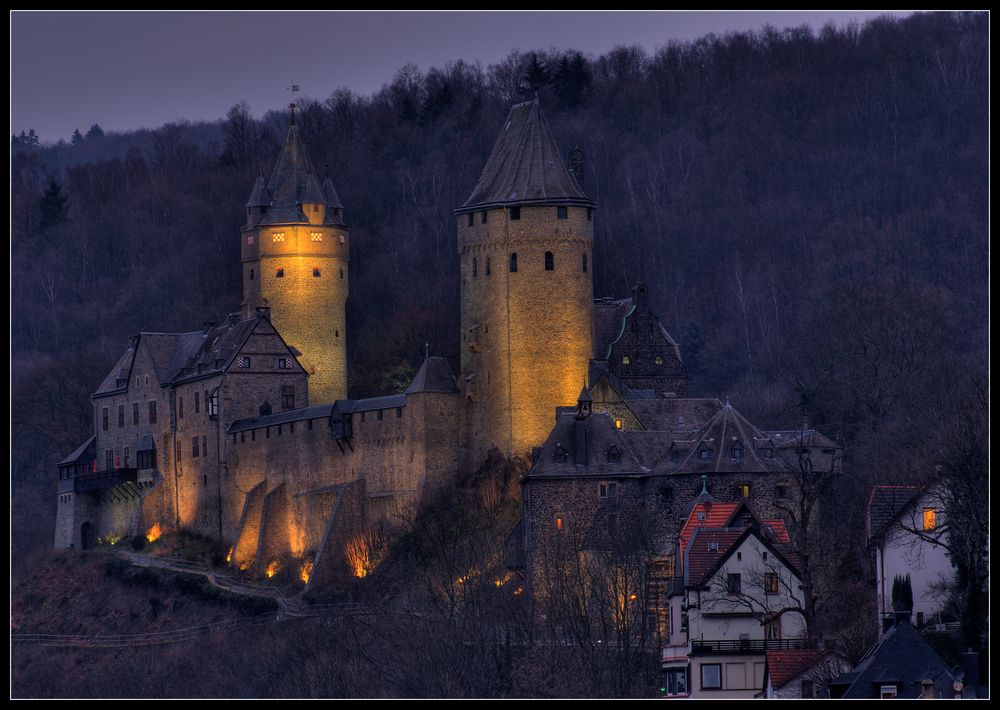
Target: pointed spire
259,196
292,106
526,166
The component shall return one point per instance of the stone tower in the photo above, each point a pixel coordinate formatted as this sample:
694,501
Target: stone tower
295,251
525,239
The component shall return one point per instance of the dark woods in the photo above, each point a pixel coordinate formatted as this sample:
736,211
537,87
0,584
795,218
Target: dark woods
809,211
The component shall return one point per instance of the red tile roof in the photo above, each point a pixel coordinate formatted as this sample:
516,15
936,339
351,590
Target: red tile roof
716,515
783,666
701,559
780,531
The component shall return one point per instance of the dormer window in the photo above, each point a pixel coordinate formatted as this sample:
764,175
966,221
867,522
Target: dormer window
285,363
561,453
704,454
675,454
626,360
607,490
243,362
618,423
767,452
614,454
736,452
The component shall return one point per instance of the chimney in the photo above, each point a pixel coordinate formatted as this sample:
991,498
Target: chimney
576,162
233,319
264,311
133,340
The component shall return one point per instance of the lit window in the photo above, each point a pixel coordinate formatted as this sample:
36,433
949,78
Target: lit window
278,236
626,360
771,582
559,522
343,239
658,360
930,518
618,423
249,239
316,236
743,490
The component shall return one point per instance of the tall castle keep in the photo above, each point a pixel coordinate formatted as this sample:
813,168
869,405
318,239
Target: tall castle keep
243,430
295,248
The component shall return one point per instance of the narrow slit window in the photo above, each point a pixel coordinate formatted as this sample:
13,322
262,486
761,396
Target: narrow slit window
513,262
550,263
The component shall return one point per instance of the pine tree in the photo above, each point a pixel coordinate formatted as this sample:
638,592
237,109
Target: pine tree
77,137
52,207
95,132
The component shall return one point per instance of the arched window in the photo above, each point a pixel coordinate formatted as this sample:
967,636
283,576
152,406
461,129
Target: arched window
584,263
487,266
549,261
475,267
513,261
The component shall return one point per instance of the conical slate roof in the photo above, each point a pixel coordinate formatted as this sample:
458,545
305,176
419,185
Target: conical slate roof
433,376
259,196
291,173
332,199
525,166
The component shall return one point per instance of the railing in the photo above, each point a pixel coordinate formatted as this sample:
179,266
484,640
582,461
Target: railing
105,479
744,646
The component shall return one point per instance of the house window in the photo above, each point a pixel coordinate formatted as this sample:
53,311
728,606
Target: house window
549,261
584,263
807,690
316,273
743,490
104,418
180,407
475,267
213,403
243,362
560,524
703,454
379,417
152,412
768,452
771,582
288,396
674,681
626,360
561,453
341,272
562,212
121,416
515,213
887,692
284,363
195,452
316,236
279,273
658,360
243,437
930,518
732,584
484,217
109,459
711,676
487,266
772,630
343,239
607,490
204,445
399,412
471,218
513,262
618,423
197,402
737,453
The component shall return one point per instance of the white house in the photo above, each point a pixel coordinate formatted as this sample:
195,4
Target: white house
903,524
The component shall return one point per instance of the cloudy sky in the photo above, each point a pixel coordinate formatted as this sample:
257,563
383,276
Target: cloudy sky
128,70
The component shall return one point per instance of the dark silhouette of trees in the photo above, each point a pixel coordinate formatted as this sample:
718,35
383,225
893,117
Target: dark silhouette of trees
95,132
77,137
53,207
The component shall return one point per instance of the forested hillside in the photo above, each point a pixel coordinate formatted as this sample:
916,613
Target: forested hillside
810,211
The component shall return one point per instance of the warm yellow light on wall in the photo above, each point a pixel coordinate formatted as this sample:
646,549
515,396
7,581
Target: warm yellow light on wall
278,237
306,571
229,555
154,533
618,423
272,568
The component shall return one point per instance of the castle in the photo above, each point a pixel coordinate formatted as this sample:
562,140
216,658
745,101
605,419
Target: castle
242,430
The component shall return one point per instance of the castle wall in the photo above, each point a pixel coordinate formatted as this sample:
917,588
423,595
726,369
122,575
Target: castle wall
527,336
196,454
308,300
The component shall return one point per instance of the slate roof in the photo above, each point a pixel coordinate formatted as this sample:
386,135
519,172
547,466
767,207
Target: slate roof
718,437
434,375
525,167
259,196
682,418
601,435
901,655
608,317
341,406
119,372
332,199
884,504
85,453
783,666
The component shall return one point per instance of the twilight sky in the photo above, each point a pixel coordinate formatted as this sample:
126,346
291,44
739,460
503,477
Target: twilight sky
128,70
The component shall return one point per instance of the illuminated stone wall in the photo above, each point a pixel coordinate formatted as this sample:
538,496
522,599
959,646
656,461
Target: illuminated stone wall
527,336
308,309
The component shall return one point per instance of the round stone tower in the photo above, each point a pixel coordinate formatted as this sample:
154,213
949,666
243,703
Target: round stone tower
295,249
525,238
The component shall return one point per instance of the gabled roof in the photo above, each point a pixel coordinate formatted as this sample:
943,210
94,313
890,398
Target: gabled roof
783,666
718,437
884,504
85,453
525,166
599,435
434,375
706,550
902,656
706,513
121,371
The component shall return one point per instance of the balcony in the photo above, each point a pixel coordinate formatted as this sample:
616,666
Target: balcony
702,647
101,480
